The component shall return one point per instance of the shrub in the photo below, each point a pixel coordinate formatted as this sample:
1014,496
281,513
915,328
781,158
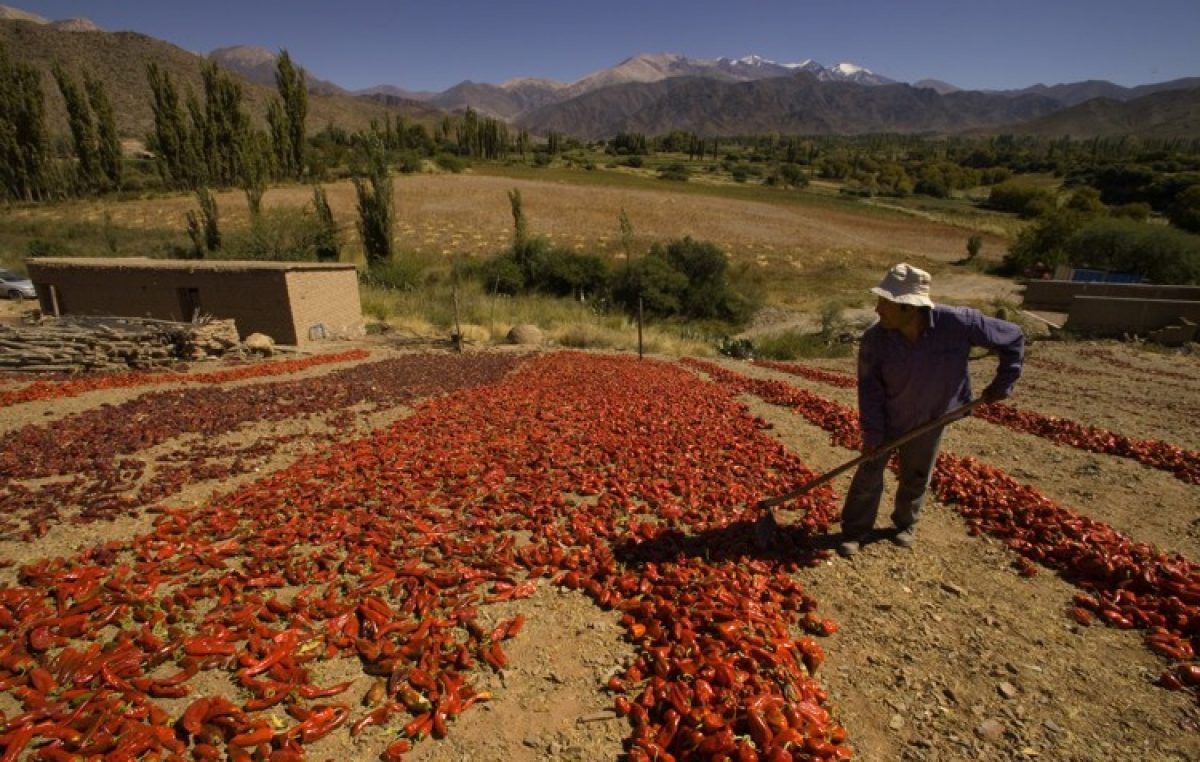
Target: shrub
562,272
450,162
1184,213
794,345
1162,255
277,234
501,275
1022,199
402,274
675,172
652,279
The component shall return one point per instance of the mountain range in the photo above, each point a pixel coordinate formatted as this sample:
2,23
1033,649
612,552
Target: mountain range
651,93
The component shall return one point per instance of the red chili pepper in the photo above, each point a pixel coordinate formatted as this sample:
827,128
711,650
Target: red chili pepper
253,737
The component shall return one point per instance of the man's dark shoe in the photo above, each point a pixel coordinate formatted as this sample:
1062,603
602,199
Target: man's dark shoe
905,537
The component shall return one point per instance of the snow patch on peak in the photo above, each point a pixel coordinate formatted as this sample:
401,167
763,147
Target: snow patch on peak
849,69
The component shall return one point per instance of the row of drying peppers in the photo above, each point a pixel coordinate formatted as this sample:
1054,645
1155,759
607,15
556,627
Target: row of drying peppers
73,387
1183,463
84,464
1126,584
627,481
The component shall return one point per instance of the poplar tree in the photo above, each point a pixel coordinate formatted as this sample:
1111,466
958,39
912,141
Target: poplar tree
24,144
293,93
376,207
327,245
203,228
83,132
108,143
255,169
223,123
281,137
172,143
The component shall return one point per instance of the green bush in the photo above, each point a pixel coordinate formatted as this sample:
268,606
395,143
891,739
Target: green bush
1019,198
652,279
1162,255
276,234
562,272
500,275
451,163
397,274
675,172
795,345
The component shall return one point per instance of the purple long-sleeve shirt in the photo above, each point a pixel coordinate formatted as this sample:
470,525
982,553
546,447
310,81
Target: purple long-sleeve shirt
902,385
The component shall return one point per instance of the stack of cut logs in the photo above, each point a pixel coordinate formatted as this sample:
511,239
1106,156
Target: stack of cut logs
75,344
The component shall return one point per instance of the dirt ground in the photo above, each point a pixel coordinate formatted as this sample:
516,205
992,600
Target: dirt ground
944,651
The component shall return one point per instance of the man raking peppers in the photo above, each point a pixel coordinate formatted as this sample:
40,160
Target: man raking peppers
912,382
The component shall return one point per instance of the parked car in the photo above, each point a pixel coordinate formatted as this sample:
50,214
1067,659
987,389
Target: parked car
16,286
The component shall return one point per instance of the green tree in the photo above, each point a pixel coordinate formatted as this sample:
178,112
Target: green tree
1086,201
24,144
174,147
1184,213
328,246
653,280
254,167
520,225
626,234
83,131
222,123
203,227
293,95
376,206
974,244
108,143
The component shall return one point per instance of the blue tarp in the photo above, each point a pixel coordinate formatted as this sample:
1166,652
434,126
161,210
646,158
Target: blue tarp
1082,275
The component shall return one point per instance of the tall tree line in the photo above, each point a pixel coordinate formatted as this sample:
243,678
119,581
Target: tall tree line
24,143
93,132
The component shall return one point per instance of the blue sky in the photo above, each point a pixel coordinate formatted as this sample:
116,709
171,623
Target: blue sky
433,44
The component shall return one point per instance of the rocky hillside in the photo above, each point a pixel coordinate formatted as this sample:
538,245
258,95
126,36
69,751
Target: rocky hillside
119,59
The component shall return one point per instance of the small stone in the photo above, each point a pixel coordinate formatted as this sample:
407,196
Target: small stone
532,741
1007,690
990,729
896,722
950,587
1051,726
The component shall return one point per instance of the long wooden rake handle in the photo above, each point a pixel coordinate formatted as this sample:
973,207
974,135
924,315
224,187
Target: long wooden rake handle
961,411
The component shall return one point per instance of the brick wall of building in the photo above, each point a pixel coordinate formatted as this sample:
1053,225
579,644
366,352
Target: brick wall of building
324,303
282,300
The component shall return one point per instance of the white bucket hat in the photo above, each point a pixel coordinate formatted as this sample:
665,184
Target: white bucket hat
905,284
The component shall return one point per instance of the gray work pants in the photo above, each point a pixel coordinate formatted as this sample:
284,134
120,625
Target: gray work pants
916,460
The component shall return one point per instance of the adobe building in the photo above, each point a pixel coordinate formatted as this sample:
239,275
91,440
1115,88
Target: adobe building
296,303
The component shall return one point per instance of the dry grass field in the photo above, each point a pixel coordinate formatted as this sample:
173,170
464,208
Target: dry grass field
805,248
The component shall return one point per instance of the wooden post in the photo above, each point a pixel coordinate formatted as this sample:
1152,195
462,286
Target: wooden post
639,327
456,338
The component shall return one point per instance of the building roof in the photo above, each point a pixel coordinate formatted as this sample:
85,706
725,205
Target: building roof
188,265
